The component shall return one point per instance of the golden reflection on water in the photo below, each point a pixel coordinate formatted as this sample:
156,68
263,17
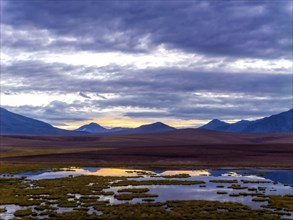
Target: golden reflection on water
130,172
190,172
109,172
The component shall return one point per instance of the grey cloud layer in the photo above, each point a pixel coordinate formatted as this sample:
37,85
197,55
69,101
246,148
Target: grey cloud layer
228,30
168,93
39,76
57,112
260,29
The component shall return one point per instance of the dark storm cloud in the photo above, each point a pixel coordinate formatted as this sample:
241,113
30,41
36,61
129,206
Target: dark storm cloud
205,108
230,29
231,109
100,96
56,77
55,112
84,95
240,112
260,29
167,92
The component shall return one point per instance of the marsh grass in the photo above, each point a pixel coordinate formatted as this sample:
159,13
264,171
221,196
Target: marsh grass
223,181
156,182
134,190
256,181
148,200
260,199
106,193
182,175
281,202
45,195
24,212
221,192
88,199
184,210
133,195
44,207
140,172
234,195
67,204
237,187
14,191
247,194
261,188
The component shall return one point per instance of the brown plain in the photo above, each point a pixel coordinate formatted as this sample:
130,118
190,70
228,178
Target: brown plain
185,147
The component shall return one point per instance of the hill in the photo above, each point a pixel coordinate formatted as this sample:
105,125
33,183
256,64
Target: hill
93,128
15,124
282,122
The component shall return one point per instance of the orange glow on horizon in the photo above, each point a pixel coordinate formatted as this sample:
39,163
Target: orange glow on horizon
127,122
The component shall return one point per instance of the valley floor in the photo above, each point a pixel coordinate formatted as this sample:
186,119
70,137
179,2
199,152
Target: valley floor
59,198
197,150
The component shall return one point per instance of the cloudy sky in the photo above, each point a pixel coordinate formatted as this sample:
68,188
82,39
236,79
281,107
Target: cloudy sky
126,63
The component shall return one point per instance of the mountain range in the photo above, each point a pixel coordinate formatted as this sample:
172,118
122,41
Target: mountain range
15,124
95,128
282,122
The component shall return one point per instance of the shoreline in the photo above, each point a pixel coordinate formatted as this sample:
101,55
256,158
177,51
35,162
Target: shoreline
27,167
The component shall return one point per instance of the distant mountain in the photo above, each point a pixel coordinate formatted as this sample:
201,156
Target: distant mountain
149,128
282,122
93,128
153,128
118,129
214,124
238,126
15,124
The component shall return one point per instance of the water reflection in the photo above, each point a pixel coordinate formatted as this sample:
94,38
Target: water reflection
282,176
10,209
272,182
81,171
189,172
108,172
210,191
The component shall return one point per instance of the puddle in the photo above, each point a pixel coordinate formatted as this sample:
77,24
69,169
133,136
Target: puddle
10,209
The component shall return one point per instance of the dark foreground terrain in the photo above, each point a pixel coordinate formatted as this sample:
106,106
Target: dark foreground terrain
182,147
125,197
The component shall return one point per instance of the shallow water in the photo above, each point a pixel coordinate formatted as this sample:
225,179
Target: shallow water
280,182
78,172
281,176
10,210
209,192
275,182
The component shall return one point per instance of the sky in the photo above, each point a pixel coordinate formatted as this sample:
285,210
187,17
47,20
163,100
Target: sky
127,63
